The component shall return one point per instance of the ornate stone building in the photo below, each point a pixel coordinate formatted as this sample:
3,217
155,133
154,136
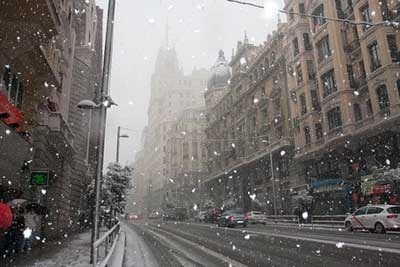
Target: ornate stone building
248,128
344,88
187,159
171,93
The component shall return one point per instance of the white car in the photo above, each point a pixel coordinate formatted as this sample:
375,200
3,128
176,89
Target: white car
256,217
201,216
378,218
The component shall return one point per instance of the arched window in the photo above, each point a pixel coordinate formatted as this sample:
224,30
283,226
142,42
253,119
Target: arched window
357,112
383,97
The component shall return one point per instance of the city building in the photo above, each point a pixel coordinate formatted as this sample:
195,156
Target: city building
37,55
172,92
186,160
249,128
344,88
86,83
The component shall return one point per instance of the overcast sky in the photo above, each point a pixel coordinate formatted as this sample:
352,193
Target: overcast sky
197,29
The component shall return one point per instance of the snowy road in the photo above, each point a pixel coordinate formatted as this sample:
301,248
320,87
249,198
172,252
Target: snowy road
189,244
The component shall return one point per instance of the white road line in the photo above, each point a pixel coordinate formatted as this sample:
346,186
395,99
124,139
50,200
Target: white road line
212,253
322,241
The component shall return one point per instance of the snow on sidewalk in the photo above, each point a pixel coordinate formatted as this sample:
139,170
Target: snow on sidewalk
76,253
137,253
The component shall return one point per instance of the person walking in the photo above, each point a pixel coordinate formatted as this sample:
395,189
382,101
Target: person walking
31,227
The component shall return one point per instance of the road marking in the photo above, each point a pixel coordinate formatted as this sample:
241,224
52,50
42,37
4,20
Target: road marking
210,252
322,241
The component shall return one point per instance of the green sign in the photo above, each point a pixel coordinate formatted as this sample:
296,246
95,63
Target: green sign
40,178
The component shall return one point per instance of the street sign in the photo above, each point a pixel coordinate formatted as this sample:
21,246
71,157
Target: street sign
40,178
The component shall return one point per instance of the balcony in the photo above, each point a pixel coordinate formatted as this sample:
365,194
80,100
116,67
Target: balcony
352,46
56,124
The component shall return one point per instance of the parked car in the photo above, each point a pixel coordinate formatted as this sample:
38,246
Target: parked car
201,216
378,218
256,217
232,219
212,215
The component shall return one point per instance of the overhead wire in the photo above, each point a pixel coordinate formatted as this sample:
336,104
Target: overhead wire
393,24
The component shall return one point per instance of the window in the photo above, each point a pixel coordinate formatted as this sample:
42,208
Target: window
291,15
299,75
319,133
334,118
357,112
361,211
374,55
306,41
319,19
311,70
369,107
314,101
307,135
350,74
295,47
394,53
383,97
328,83
398,86
302,8
12,87
374,210
324,50
362,69
303,104
366,16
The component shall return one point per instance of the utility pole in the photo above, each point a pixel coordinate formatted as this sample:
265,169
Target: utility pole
273,181
118,136
104,95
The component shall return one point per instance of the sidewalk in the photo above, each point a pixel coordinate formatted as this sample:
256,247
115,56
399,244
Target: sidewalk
73,252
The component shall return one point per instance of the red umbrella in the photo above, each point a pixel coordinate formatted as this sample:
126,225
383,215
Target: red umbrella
5,216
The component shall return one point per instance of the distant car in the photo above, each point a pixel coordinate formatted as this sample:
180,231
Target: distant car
256,217
232,219
377,218
155,215
201,216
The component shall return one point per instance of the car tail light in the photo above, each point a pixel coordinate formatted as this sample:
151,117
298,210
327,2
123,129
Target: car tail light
231,218
392,216
246,217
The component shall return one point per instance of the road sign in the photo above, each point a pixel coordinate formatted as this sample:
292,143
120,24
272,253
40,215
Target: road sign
40,178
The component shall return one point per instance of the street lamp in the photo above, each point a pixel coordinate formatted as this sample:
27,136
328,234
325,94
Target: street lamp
119,135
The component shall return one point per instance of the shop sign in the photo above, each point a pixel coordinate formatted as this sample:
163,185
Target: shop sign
40,178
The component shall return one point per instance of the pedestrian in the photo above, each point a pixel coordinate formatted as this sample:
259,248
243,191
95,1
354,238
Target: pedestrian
31,229
17,229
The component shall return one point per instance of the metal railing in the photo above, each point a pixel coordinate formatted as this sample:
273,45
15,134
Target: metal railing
103,248
331,221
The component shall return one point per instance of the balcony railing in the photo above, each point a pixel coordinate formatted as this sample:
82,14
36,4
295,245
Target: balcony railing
56,123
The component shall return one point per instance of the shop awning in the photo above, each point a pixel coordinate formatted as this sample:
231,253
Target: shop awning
12,116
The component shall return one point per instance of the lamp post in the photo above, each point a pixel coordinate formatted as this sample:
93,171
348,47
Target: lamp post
118,137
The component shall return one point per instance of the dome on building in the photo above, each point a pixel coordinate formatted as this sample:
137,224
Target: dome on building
220,72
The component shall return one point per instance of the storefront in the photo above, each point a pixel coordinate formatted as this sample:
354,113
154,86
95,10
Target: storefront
331,196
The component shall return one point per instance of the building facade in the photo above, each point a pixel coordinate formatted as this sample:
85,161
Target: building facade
186,160
37,56
171,93
248,133
343,82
